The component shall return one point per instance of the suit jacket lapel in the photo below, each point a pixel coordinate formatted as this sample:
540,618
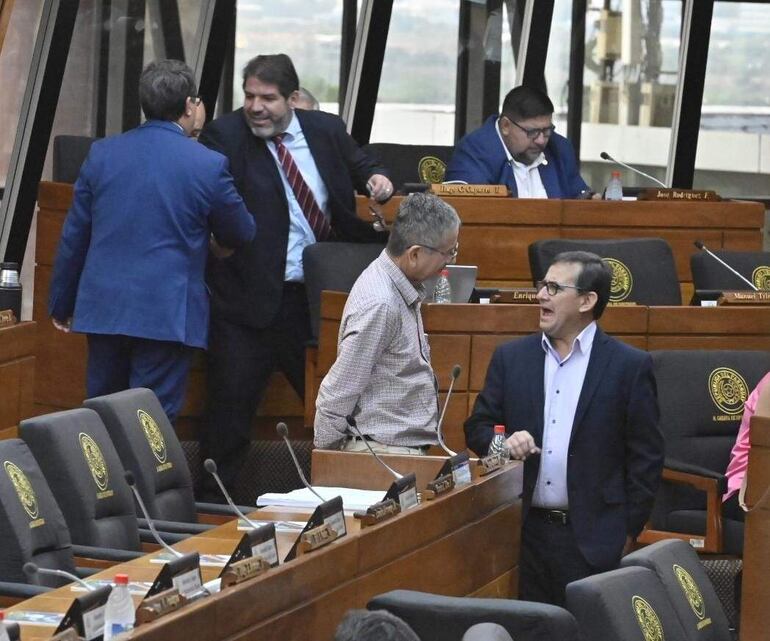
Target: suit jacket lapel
601,352
549,177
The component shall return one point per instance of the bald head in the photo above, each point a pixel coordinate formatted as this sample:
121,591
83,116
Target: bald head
486,632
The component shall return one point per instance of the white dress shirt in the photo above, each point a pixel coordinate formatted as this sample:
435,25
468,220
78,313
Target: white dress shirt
528,181
563,381
300,233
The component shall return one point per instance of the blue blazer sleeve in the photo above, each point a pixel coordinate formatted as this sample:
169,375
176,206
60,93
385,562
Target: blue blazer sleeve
73,247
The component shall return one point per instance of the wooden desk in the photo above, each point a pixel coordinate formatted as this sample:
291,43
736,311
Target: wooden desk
433,547
17,375
468,335
497,231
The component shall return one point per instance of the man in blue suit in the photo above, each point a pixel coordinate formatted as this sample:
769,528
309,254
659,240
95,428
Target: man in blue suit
580,408
129,271
520,149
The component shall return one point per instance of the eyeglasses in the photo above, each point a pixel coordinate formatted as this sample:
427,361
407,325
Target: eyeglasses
554,288
449,255
534,132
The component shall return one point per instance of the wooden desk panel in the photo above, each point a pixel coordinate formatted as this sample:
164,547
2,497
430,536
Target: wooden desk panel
17,375
433,547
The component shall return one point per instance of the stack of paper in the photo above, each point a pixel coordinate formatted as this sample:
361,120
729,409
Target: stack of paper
352,499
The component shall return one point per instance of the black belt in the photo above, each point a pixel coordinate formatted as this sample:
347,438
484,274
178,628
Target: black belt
356,437
559,517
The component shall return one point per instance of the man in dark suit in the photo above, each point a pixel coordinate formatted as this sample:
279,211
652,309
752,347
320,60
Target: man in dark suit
296,170
129,271
519,149
580,408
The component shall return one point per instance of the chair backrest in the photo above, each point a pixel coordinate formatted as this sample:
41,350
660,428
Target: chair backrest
32,527
643,269
434,617
86,477
688,586
701,395
629,604
708,273
335,267
69,154
149,448
412,163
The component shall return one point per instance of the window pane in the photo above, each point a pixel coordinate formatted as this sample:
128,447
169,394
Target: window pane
416,101
734,140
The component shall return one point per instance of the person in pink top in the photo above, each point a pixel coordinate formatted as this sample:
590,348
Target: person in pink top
757,402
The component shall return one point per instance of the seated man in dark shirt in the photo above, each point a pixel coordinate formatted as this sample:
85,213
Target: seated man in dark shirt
520,149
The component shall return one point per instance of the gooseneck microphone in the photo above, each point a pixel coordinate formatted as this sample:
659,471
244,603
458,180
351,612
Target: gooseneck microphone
354,426
211,467
283,432
132,484
455,375
31,569
605,156
699,244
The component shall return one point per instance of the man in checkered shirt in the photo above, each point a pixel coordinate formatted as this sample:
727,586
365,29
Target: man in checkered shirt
382,376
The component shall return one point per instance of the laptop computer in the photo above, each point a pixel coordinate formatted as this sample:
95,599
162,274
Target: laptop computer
462,279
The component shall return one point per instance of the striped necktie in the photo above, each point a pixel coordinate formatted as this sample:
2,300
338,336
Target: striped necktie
307,202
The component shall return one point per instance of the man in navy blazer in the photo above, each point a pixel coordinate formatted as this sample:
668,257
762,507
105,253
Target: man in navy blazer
519,149
260,317
580,408
129,271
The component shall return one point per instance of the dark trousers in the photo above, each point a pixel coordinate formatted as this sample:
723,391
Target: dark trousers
732,510
240,362
116,363
550,559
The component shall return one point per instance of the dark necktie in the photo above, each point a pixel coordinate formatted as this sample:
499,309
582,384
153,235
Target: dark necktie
307,202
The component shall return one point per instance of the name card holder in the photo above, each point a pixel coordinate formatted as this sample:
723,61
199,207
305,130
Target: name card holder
378,513
316,538
489,464
326,520
495,191
86,614
744,298
244,570
183,573
518,296
256,542
154,607
404,490
439,485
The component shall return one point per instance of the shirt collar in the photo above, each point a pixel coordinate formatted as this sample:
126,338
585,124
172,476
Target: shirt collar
511,160
409,292
582,343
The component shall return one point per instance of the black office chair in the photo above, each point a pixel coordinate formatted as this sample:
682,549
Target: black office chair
87,479
149,448
709,274
69,154
643,269
412,163
434,617
629,604
688,587
701,395
334,267
33,529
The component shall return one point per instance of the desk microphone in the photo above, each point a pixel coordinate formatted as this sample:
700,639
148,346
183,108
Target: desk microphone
455,374
132,484
605,156
354,426
31,569
699,244
283,432
211,468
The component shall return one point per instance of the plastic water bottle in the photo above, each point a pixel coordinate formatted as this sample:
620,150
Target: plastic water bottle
498,446
442,293
119,615
614,189
3,631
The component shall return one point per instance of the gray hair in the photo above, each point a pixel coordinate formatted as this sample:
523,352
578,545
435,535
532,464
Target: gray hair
164,87
486,632
309,98
377,625
423,219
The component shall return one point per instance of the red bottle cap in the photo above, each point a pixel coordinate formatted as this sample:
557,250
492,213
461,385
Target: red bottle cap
499,429
445,272
121,579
